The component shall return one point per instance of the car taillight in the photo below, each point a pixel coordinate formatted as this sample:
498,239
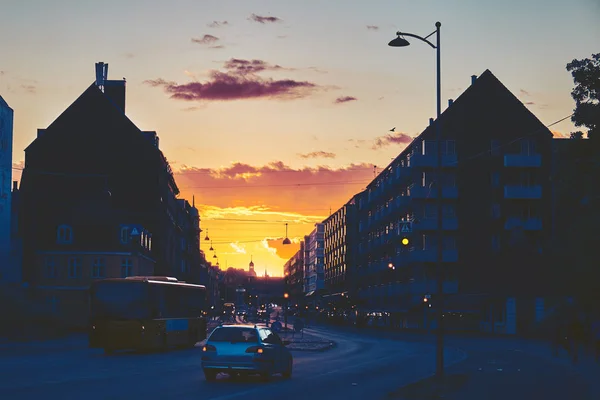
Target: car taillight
255,349
209,347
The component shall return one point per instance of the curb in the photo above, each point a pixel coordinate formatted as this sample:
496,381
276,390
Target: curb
329,346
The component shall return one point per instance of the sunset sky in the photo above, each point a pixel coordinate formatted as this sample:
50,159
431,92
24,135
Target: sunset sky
276,111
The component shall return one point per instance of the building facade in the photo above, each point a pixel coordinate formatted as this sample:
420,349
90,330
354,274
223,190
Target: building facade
9,271
340,246
98,199
293,271
496,208
314,260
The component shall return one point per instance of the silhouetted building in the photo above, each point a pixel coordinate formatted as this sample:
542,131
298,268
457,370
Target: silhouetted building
294,274
98,200
9,272
314,260
496,211
340,241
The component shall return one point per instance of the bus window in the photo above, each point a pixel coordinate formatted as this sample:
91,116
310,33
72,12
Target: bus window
116,300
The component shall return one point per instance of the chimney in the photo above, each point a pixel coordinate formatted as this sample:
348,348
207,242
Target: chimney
430,121
473,79
450,101
101,74
15,186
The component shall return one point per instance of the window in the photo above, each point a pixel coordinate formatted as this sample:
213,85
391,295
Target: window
125,236
425,242
126,267
430,211
50,265
64,234
183,245
495,211
75,267
495,179
183,266
495,147
98,268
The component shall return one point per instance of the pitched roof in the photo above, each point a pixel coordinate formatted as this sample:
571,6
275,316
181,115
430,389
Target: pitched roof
3,103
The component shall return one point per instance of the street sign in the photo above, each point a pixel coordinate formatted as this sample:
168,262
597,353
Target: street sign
406,227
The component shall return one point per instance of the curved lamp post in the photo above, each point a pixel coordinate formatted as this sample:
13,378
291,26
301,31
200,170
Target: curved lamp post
287,239
400,41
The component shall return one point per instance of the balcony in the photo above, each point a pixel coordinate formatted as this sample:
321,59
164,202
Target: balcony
430,255
522,192
430,224
430,160
428,192
528,224
522,160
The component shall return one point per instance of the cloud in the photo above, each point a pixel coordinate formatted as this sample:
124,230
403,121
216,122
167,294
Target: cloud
373,27
128,55
317,154
29,88
558,134
529,103
243,67
391,138
206,39
262,20
344,99
281,36
240,249
524,92
217,24
238,82
274,188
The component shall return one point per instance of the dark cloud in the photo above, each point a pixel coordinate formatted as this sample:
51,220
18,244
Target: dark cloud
344,99
206,39
262,20
373,27
529,103
220,46
238,82
391,138
217,24
524,92
318,154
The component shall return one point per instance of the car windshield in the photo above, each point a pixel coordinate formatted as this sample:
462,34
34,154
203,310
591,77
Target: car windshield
120,300
234,335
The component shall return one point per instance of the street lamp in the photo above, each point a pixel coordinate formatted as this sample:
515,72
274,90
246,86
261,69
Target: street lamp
287,239
400,41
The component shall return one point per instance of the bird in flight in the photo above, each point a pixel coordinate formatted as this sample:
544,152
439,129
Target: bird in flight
393,129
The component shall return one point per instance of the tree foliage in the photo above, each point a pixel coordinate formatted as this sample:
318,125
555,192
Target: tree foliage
586,93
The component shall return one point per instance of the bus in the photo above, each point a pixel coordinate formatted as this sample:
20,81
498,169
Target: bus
146,313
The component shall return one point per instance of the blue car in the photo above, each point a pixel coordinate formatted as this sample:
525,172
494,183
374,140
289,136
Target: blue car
246,349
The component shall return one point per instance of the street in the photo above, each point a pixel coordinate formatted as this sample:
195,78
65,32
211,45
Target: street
353,369
360,365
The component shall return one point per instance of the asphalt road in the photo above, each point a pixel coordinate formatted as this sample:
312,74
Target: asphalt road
358,367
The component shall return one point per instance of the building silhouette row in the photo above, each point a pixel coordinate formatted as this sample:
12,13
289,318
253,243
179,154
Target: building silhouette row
509,192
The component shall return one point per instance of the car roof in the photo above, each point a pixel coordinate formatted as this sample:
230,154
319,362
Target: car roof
240,326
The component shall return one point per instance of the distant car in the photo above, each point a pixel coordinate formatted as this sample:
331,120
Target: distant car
246,350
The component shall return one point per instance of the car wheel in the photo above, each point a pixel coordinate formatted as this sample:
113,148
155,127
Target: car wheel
288,372
210,375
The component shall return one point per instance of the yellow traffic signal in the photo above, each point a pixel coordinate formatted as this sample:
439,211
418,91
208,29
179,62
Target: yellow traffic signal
405,241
